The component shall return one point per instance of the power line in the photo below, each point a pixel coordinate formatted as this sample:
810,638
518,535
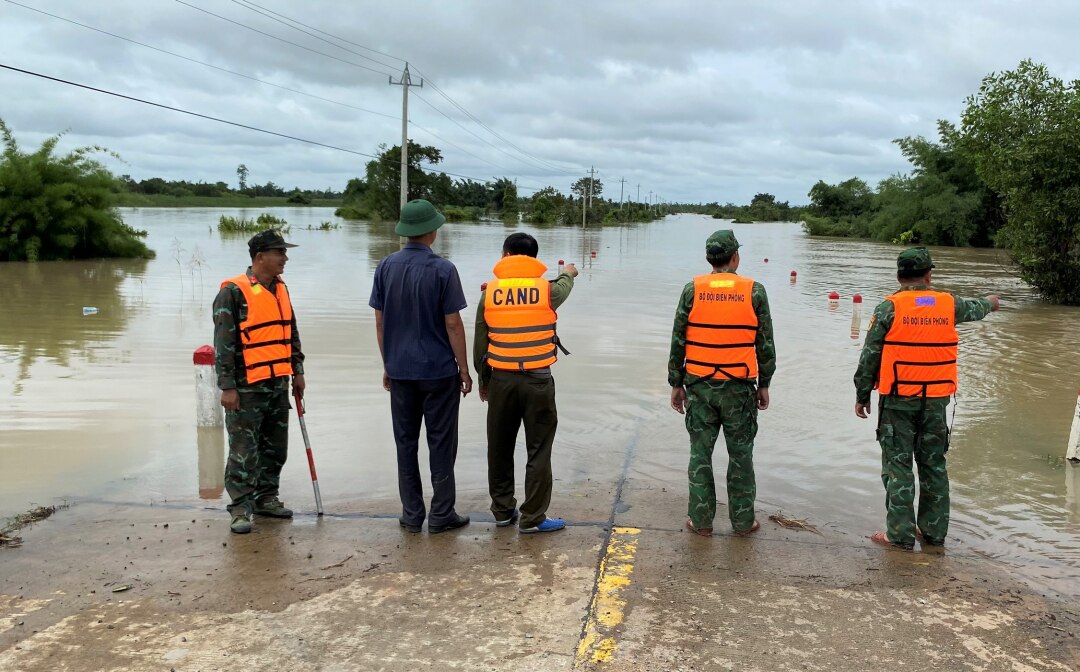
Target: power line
203,63
189,112
267,14
458,147
548,165
247,4
323,32
431,169
281,39
486,142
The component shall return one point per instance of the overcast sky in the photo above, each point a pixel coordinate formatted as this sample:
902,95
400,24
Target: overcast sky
695,101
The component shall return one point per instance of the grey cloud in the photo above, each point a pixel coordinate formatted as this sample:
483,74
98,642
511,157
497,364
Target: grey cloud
698,101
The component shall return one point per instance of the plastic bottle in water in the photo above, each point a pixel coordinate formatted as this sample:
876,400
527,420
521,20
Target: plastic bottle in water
89,310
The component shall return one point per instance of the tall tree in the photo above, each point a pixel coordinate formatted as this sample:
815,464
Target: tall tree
1023,130
383,177
582,188
241,176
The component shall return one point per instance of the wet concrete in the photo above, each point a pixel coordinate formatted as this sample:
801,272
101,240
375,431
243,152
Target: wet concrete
353,591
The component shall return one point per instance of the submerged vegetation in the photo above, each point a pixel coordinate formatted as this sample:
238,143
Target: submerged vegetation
230,224
60,207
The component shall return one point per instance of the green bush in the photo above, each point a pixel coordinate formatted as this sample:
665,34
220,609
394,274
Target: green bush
55,208
353,211
266,219
467,214
229,224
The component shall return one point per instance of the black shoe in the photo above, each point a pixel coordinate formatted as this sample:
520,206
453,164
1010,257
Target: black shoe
409,527
452,524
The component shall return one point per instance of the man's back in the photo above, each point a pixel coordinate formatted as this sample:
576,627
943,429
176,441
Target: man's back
415,290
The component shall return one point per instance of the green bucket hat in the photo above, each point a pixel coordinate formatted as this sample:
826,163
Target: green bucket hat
721,244
914,259
417,218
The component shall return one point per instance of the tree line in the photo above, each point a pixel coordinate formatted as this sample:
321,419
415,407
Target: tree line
377,195
180,188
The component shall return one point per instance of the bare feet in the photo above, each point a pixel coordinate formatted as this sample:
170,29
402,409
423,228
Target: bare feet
700,531
882,539
753,528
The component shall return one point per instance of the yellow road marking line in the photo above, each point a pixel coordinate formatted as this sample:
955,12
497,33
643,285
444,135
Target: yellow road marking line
607,609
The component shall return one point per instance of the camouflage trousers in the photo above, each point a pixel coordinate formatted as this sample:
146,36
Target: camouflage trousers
732,406
906,434
258,443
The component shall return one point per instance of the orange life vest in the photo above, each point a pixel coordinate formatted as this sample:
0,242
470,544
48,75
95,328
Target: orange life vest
919,355
722,328
266,331
520,319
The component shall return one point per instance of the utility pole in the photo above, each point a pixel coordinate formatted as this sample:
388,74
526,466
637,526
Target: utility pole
592,171
622,182
405,83
582,215
638,193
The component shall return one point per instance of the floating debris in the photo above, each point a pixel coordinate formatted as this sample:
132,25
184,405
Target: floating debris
792,523
18,522
337,564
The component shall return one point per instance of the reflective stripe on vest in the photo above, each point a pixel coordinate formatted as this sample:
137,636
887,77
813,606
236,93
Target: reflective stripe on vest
266,331
722,328
919,354
521,322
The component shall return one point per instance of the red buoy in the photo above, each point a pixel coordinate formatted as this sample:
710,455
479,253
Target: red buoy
834,296
483,286
857,298
766,260
793,274
593,254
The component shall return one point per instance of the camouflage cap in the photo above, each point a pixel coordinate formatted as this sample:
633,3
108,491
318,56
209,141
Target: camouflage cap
270,239
914,259
721,244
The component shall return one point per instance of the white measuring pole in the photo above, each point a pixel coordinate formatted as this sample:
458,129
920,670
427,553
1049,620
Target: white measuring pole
1072,453
208,410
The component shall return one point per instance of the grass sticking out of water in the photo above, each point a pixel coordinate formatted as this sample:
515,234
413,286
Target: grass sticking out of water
230,224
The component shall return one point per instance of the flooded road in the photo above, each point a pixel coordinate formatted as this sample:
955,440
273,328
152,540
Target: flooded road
101,407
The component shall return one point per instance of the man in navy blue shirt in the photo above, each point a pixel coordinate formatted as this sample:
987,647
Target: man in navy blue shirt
417,297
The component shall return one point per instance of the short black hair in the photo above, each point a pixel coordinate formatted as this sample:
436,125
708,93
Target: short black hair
720,262
911,274
521,243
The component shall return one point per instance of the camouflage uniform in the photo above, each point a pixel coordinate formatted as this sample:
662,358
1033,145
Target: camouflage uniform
911,427
259,430
729,404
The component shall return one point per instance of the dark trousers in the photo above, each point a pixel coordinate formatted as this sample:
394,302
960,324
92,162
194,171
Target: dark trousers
258,444
435,402
515,399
